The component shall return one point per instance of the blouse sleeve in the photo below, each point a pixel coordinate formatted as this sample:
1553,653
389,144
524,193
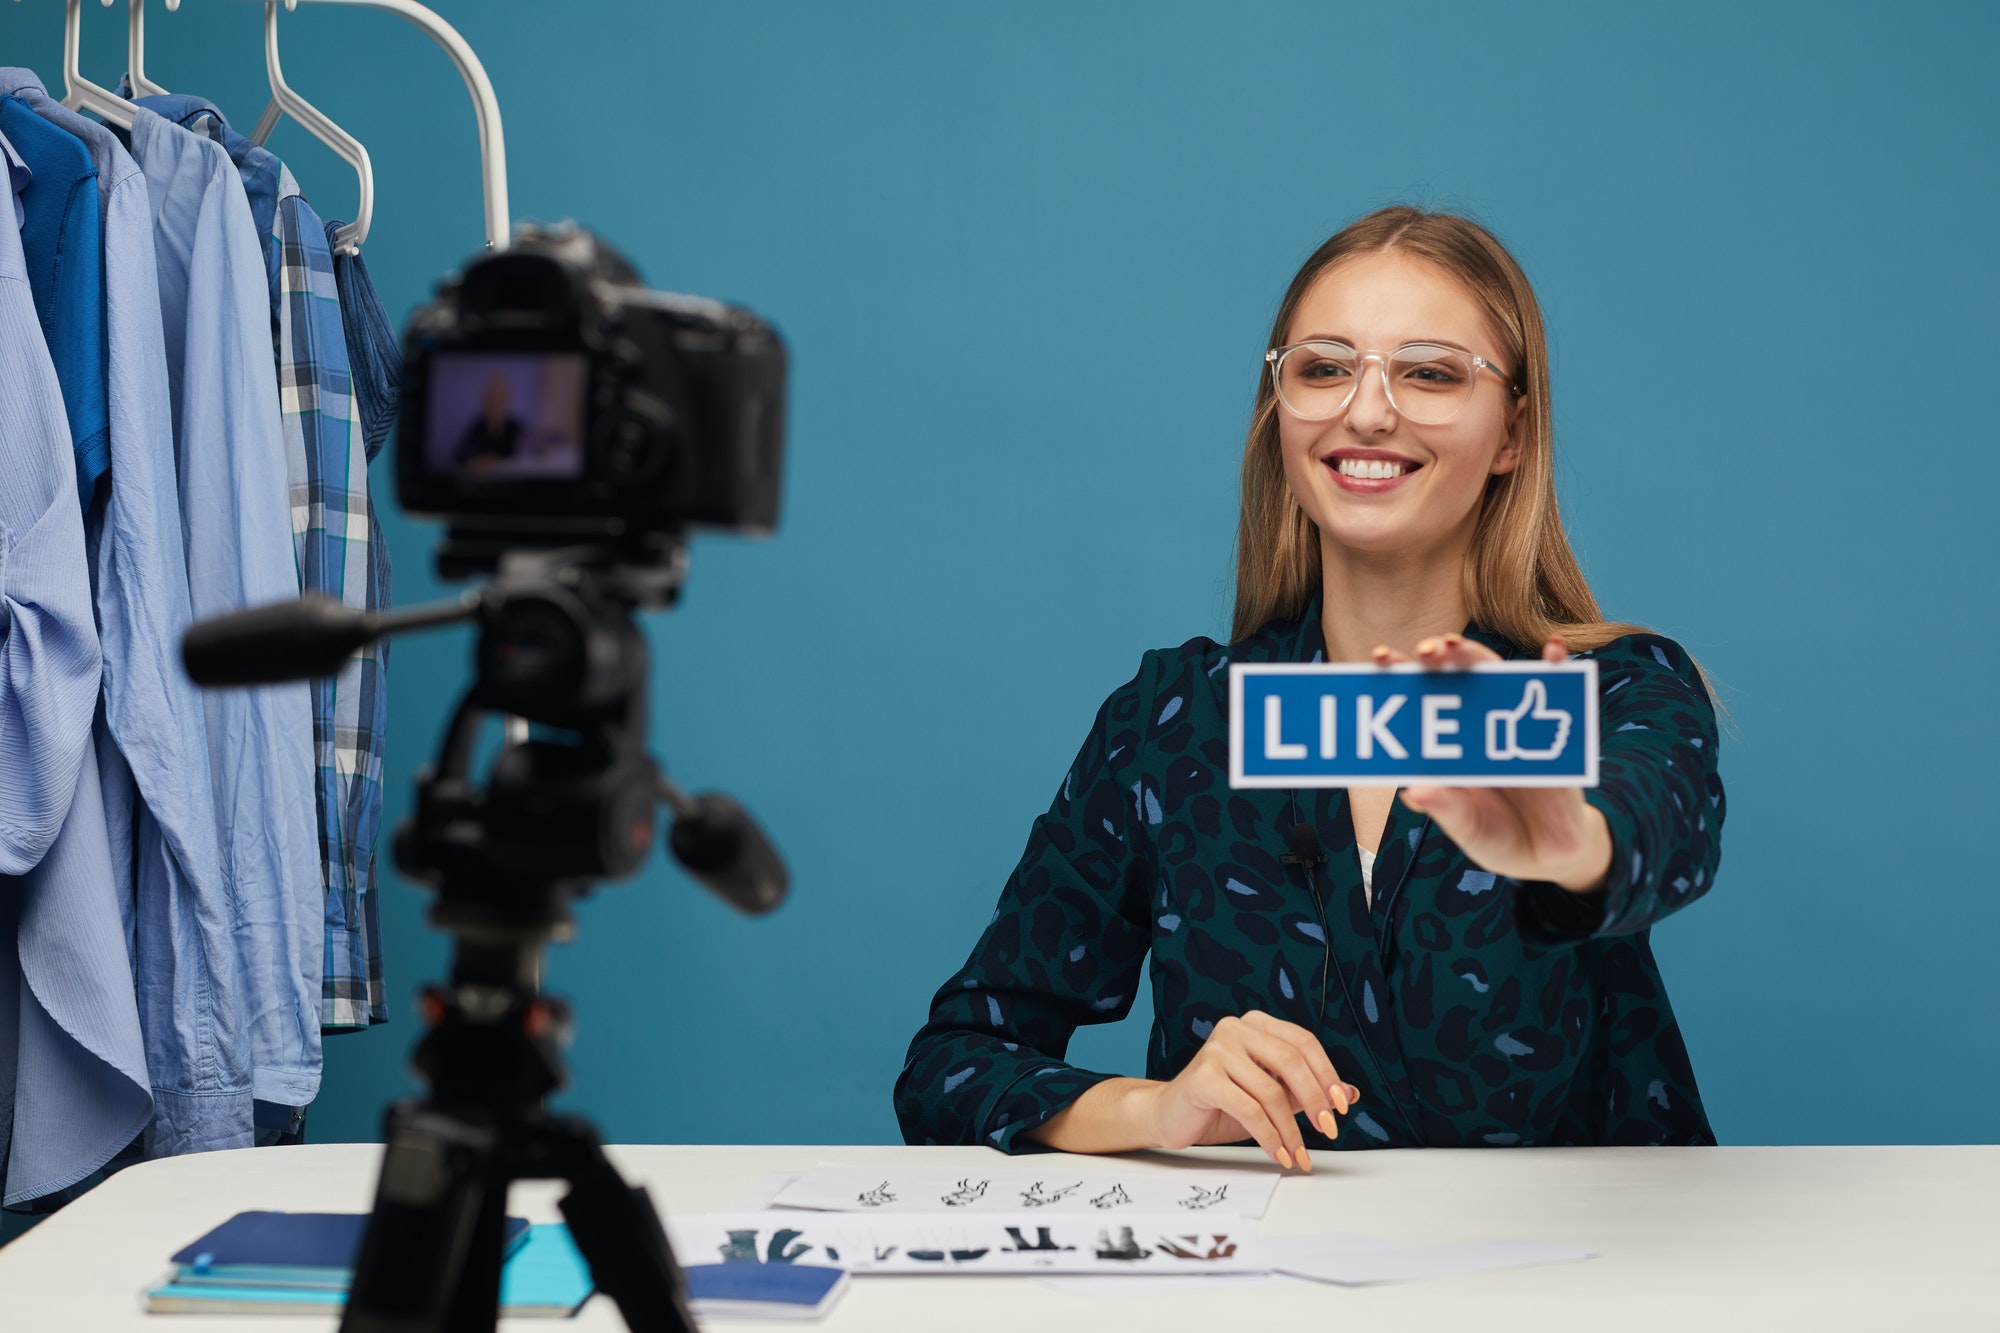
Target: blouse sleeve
1064,948
1658,789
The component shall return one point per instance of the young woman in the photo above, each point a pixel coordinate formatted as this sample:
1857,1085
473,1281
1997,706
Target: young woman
1452,967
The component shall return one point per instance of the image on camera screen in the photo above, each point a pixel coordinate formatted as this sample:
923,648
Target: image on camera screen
505,416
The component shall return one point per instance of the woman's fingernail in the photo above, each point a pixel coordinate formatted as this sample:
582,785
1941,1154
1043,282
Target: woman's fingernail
1327,1124
1337,1094
1353,1094
1305,1163
1284,1158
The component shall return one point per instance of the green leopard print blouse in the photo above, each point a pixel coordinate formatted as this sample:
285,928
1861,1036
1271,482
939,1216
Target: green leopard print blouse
1470,1009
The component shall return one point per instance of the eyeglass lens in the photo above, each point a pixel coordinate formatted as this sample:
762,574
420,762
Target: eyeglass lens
1427,384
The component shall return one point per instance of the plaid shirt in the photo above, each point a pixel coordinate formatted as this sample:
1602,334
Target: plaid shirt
338,545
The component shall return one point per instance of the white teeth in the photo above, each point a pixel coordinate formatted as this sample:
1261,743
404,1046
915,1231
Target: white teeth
1370,469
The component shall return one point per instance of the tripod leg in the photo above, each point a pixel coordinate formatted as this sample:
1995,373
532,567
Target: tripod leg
440,1199
475,1306
618,1230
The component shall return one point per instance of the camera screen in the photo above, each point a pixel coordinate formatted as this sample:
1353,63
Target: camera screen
504,416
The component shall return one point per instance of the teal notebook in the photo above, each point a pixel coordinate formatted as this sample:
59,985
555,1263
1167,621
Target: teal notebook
546,1277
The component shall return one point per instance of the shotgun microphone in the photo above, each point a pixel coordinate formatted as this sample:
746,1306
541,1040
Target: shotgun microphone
298,640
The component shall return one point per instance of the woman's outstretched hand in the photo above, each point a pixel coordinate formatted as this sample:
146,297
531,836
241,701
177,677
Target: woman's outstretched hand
1532,833
1251,1079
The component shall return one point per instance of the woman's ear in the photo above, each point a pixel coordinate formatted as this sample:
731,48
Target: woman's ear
1508,457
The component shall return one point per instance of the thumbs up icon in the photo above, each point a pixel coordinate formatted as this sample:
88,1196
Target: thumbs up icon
1504,726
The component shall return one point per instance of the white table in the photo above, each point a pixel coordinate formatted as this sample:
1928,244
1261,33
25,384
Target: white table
1891,1240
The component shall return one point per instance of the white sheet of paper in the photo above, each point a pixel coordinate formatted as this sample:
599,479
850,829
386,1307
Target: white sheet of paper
853,1189
970,1242
1360,1261
766,1189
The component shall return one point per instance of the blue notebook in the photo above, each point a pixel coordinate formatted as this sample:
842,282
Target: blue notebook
764,1291
545,1275
289,1250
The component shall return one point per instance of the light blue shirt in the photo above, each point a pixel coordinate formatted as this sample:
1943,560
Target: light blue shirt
152,744
337,542
229,443
72,1067
49,659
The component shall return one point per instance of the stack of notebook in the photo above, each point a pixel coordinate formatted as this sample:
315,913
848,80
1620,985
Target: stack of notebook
302,1263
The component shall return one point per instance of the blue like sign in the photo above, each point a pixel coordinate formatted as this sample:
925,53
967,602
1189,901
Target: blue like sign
1497,724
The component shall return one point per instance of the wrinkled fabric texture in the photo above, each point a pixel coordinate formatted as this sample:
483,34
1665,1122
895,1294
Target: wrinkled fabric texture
1470,1009
151,744
235,496
50,662
62,244
335,539
72,1066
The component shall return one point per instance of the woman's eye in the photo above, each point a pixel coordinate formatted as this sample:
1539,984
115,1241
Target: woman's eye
1432,375
1321,371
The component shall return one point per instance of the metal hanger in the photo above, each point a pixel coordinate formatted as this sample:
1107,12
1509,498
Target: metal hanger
135,50
79,93
284,102
492,144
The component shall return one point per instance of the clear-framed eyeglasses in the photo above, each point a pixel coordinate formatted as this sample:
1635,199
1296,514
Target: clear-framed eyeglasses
1427,383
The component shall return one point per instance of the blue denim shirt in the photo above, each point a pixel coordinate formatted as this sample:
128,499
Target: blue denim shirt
72,1068
152,745
229,444
62,239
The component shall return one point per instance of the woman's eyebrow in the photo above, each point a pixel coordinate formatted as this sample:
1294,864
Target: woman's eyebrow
1407,342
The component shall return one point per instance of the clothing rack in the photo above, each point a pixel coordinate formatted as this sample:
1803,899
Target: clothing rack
81,94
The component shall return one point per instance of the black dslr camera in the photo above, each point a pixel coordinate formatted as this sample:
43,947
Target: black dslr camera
549,398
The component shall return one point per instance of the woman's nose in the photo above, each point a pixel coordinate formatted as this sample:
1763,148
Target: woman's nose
1371,412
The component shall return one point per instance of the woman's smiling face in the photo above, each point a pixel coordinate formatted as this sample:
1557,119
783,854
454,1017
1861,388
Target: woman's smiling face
1371,479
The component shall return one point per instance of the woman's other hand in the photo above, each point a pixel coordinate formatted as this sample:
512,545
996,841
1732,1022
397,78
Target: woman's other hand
1250,1079
1530,833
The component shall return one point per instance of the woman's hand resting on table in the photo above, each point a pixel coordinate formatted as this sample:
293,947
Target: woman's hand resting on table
1530,833
1251,1079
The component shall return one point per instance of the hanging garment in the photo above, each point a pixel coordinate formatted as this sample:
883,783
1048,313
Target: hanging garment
374,353
72,1064
375,359
229,444
333,531
49,658
62,243
152,743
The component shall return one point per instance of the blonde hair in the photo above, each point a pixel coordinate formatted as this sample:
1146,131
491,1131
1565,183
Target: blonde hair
1522,581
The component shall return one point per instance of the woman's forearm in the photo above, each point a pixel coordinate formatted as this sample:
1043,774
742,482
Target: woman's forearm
1112,1116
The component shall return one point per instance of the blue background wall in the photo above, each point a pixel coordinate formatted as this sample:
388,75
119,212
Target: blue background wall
1764,239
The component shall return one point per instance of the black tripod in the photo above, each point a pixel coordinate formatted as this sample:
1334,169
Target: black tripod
557,647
